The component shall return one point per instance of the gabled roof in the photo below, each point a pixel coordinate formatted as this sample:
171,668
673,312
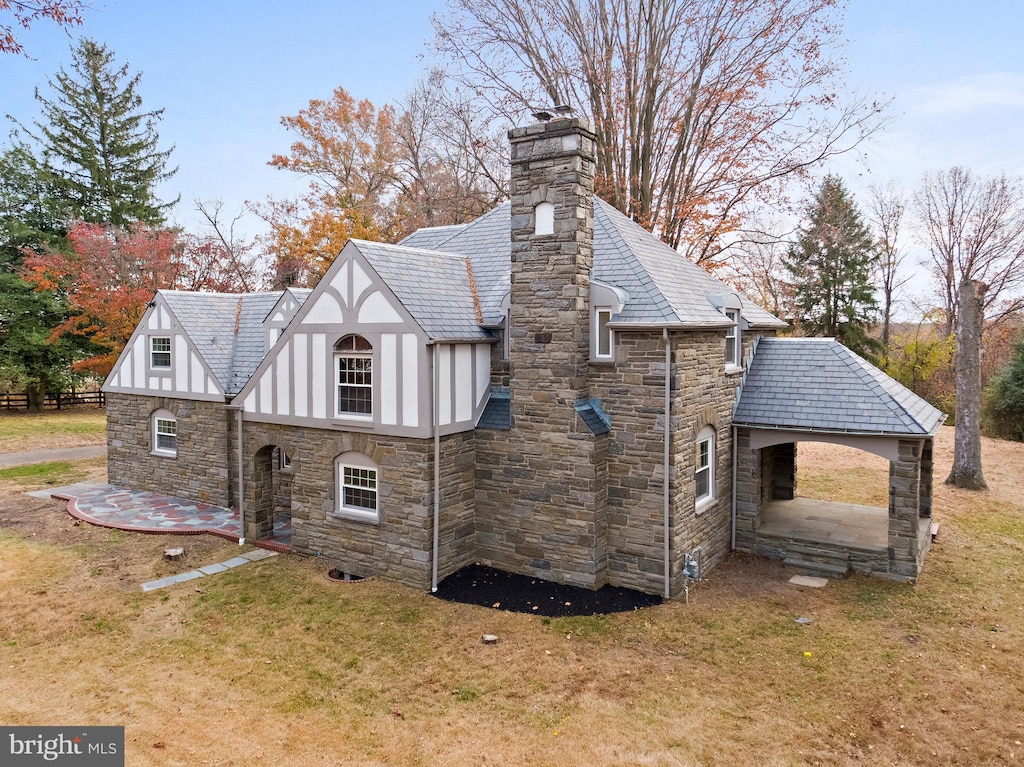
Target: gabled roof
210,321
434,287
817,384
663,286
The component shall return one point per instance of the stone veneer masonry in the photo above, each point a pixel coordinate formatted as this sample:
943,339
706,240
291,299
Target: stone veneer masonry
541,486
201,471
398,547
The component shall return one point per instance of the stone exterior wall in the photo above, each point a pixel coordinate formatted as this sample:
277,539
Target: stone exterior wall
399,546
541,495
202,469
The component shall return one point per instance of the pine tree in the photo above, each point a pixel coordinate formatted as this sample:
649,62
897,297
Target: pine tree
99,148
830,270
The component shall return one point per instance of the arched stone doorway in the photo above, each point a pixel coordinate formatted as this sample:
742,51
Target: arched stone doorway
270,514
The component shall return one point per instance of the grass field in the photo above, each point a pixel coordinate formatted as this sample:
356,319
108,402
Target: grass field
63,428
273,664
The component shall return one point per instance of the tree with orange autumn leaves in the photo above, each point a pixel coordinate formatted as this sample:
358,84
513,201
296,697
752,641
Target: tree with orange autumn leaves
109,276
379,174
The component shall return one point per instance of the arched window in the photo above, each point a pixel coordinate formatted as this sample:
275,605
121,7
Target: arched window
165,433
357,492
704,469
353,365
544,218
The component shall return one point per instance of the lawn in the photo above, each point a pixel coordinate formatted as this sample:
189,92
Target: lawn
273,664
63,428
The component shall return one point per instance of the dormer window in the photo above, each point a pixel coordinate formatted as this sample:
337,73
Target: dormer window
603,346
733,341
353,357
544,218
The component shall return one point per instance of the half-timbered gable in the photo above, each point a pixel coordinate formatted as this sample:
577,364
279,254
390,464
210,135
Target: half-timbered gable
360,351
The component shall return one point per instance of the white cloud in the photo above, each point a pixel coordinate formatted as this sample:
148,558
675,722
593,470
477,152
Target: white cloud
987,90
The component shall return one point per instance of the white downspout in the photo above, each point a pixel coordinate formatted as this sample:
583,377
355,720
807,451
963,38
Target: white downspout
668,449
241,480
437,468
735,454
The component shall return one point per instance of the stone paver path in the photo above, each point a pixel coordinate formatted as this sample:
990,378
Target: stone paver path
251,556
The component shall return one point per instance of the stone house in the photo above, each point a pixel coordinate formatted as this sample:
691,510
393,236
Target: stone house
549,390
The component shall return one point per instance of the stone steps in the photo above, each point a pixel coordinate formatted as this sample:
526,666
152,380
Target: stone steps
811,560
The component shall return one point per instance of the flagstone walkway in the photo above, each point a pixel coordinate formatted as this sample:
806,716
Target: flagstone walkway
146,512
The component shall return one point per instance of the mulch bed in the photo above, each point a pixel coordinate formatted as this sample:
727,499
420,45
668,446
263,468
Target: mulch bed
487,587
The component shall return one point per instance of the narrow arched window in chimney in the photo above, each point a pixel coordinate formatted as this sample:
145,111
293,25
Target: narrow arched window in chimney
544,218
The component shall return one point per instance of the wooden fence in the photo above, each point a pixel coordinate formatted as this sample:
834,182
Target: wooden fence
19,400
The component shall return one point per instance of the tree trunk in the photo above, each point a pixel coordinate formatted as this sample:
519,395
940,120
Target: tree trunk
966,471
36,396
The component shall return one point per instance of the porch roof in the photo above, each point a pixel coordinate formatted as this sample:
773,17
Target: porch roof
818,385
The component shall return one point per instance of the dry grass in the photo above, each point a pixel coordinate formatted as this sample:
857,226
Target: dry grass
52,429
272,664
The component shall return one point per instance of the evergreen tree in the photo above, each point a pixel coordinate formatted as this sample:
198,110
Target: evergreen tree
830,270
31,220
99,148
1005,396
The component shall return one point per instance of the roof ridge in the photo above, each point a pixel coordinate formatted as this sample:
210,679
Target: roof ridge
472,288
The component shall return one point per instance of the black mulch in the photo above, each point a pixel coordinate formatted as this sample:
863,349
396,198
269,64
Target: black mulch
480,585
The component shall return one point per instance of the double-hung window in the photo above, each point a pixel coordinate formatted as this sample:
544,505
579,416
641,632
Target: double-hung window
353,357
704,471
165,433
160,352
357,489
733,347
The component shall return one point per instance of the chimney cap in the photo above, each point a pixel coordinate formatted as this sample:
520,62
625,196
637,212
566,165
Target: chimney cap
543,115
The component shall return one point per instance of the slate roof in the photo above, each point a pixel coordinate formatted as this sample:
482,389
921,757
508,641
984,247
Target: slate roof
497,413
817,384
663,286
431,236
209,320
434,287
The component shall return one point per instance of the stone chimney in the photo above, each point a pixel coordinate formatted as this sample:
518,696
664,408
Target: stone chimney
549,518
552,255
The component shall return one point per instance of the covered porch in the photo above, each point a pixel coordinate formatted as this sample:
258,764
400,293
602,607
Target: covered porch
816,390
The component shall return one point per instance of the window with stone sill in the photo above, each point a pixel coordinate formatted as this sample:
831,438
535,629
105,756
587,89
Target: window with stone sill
165,434
704,469
357,491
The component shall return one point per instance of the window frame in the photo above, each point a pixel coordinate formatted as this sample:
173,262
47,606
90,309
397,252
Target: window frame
733,341
359,467
168,351
363,356
159,417
609,355
705,436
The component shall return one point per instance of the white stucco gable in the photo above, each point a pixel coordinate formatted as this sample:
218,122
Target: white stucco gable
162,359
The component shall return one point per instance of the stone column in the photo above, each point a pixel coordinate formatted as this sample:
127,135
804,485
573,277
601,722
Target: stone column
784,472
905,548
748,491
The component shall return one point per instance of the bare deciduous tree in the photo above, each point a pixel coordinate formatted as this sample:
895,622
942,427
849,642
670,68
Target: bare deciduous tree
886,210
701,107
754,265
974,230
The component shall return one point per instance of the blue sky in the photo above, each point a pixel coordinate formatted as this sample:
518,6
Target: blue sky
226,72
